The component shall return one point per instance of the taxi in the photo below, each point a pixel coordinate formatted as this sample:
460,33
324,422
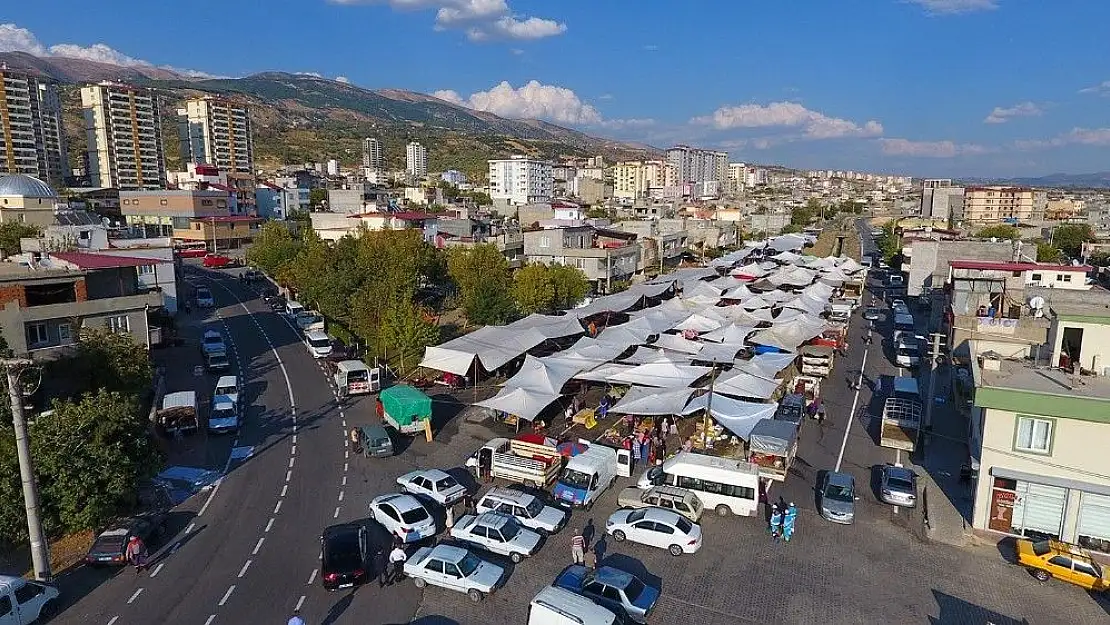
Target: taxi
1051,558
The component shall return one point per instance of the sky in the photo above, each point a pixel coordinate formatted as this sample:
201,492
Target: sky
950,88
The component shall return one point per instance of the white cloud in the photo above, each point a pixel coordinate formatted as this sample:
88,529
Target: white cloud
1001,115
622,124
343,79
930,149
814,125
309,74
13,38
531,101
1102,88
1099,137
481,20
955,7
651,48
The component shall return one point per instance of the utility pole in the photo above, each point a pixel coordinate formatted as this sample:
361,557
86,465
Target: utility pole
934,355
13,367
708,411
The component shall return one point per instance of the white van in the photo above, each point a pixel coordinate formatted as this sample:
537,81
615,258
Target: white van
353,377
318,343
588,474
23,601
723,485
293,308
558,606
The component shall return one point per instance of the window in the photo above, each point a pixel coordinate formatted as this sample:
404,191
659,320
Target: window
206,202
164,202
65,333
436,566
1036,277
1016,274
196,226
451,570
36,334
545,241
1060,561
119,324
146,270
27,593
1083,567
5,603
1033,435
1067,277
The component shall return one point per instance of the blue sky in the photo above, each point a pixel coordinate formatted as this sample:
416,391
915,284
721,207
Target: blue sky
924,87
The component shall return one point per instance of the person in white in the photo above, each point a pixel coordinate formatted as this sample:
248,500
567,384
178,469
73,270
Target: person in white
397,559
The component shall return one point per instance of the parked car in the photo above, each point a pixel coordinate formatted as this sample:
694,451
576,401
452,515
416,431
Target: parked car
655,527
434,484
837,497
1046,559
309,320
674,498
110,546
204,298
318,343
454,568
375,441
26,601
343,554
528,509
497,533
618,590
403,516
212,341
216,261
872,314
224,417
898,486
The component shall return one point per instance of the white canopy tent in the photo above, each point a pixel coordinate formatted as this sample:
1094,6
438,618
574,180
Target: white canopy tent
751,271
521,402
644,355
787,242
733,333
448,360
661,374
738,315
649,290
704,321
495,346
545,375
551,326
787,257
616,303
722,353
643,400
765,365
621,335
739,417
658,320
790,334
603,372
677,343
743,384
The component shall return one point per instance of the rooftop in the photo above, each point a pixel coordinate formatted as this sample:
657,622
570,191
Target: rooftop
1021,375
25,186
1011,266
85,260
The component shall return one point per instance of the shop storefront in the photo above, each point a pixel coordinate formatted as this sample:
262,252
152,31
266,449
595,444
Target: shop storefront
1041,507
1093,529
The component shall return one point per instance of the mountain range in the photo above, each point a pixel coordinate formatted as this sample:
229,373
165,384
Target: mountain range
1100,180
306,118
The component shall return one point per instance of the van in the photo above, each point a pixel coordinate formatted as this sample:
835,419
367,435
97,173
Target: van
353,377
907,352
723,485
906,387
375,441
318,343
904,323
588,474
293,308
558,606
23,601
895,281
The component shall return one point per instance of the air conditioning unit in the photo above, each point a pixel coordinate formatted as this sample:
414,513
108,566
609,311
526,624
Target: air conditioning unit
990,362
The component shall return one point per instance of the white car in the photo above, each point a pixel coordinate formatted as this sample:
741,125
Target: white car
403,516
655,527
528,509
497,533
227,385
318,343
204,298
309,320
454,568
433,483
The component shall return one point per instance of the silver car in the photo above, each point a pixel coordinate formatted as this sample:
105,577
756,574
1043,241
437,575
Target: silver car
529,510
497,533
454,568
898,486
838,497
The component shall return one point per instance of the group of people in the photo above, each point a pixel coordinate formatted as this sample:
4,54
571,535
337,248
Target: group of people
391,567
581,552
783,516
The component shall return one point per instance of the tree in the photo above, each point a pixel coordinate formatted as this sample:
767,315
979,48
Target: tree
570,284
888,242
597,212
533,290
406,329
273,248
10,234
106,360
483,277
789,228
317,197
1047,253
1071,237
1001,231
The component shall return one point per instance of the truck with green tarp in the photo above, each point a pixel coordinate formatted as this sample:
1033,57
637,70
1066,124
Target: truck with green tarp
405,408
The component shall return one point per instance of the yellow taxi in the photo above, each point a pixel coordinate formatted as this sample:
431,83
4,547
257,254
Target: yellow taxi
1052,558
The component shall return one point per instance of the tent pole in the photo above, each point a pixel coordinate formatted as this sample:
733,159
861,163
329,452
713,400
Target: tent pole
475,385
708,410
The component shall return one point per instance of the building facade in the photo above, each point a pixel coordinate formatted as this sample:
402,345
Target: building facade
520,180
372,153
941,200
692,165
32,140
123,129
996,204
217,131
604,256
26,199
416,160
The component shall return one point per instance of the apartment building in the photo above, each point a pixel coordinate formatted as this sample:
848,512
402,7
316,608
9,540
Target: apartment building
941,200
372,153
123,128
605,256
520,180
996,204
692,165
737,177
217,132
416,160
32,140
26,199
200,216
633,180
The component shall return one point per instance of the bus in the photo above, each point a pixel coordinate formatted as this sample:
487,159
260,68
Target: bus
724,485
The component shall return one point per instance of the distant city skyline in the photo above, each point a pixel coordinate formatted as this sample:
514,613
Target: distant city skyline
945,88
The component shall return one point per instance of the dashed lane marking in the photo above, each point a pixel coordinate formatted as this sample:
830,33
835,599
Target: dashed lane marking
211,617
291,461
340,495
189,530
344,481
243,571
288,475
112,621
336,515
227,595
135,596
284,489
312,577
277,507
300,602
258,545
157,569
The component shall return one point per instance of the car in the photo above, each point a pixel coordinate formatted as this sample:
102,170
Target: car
204,298
251,275
343,553
899,303
837,497
652,476
110,546
680,500
872,314
655,527
432,483
318,343
309,320
1046,559
224,416
617,590
497,533
228,386
23,601
898,486
216,261
212,342
528,509
276,303
454,568
403,516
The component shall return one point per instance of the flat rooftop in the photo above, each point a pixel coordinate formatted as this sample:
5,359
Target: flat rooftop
1021,375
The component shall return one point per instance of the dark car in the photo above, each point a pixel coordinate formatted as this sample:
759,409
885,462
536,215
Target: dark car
343,556
618,590
110,546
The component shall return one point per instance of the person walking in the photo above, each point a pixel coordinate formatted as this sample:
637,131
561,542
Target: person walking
136,554
397,559
578,548
381,565
788,522
776,522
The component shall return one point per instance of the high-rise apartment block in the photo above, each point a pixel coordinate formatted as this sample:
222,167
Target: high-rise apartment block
372,153
32,141
520,180
694,166
124,133
416,160
941,200
217,132
636,179
988,205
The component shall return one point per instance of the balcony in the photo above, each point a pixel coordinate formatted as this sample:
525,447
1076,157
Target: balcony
92,308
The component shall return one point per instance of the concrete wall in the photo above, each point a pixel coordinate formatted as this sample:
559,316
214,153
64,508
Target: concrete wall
1095,344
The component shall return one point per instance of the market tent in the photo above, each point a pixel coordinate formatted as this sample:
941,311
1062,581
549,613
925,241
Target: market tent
495,346
765,365
677,343
790,334
587,348
741,292
722,353
649,290
621,335
789,314
447,360
773,437
521,402
738,315
603,372
849,266
755,303
725,283
833,275
743,384
807,304
787,242
643,400
778,297
751,271
405,404
734,333
701,288
657,320
739,417
661,374
787,257
792,276
616,303
545,375
644,355
700,322
551,326
818,291
702,300
732,258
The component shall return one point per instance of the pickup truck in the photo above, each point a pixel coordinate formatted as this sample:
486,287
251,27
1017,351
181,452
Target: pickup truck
216,360
817,360
901,423
529,460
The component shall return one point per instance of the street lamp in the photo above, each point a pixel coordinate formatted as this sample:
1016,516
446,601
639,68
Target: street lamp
17,390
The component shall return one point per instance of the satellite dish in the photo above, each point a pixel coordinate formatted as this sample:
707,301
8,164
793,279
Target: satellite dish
1037,304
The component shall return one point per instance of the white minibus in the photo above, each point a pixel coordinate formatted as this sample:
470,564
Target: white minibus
722,484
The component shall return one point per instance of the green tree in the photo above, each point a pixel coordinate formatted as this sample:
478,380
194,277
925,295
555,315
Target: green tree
406,329
789,228
889,243
479,198
1071,237
483,277
10,234
570,284
1047,253
533,289
1000,231
106,360
597,212
89,455
317,197
273,248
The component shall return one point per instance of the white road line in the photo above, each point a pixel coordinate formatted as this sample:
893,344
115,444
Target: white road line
294,439
212,494
300,602
227,595
293,451
211,617
189,530
258,545
284,489
243,571
312,577
852,412
269,524
291,460
277,506
346,454
112,621
345,466
157,569
135,596
288,475
175,547
336,515
344,422
344,481
340,495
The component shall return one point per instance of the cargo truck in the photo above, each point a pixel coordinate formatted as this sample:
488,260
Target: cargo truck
528,459
901,423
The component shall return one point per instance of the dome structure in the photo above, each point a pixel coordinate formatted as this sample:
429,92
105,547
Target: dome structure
25,186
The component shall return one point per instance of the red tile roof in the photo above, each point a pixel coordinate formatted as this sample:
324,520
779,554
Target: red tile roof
1004,266
86,260
413,216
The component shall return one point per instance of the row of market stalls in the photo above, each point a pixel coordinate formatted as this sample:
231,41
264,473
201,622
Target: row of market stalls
720,339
